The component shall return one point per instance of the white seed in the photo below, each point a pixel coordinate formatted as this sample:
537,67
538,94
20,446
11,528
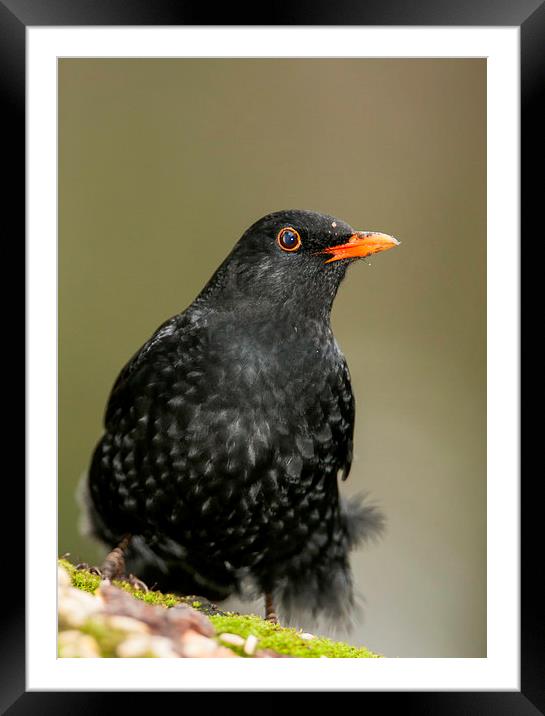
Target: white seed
305,635
233,639
251,644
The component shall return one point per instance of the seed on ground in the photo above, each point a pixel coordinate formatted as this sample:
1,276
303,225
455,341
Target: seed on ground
233,639
250,645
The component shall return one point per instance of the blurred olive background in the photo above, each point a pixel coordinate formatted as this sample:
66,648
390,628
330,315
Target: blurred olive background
164,163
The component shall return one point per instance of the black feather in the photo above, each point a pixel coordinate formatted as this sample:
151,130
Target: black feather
227,431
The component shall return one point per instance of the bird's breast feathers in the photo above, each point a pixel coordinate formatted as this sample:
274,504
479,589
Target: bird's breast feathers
234,403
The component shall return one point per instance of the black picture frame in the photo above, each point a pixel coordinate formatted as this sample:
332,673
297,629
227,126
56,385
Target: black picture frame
529,15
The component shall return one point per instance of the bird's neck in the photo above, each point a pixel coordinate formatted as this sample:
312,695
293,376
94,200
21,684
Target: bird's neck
296,311
270,298
272,337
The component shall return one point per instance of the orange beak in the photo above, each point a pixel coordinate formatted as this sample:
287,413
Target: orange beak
361,244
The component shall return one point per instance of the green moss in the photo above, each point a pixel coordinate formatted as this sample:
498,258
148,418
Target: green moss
88,582
284,640
157,598
271,636
81,578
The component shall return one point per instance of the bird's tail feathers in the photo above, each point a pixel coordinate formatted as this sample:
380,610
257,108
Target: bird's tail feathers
364,521
325,591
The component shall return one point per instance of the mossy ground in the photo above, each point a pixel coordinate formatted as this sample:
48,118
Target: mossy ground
271,636
284,640
88,582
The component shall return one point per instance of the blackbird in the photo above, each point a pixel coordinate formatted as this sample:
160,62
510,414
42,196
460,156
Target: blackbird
227,433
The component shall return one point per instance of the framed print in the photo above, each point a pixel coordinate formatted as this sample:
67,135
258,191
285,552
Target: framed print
145,127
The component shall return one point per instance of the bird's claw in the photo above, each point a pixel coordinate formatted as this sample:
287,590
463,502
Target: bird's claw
136,583
83,566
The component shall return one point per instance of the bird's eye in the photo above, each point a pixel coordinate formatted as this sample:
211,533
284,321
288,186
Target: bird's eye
288,239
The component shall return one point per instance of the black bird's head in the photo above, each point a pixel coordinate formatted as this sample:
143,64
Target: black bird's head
293,257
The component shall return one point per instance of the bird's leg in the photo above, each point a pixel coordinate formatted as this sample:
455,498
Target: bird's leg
270,614
113,567
114,564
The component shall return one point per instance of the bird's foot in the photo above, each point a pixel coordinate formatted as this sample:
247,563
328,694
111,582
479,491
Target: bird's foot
113,566
135,583
88,568
130,579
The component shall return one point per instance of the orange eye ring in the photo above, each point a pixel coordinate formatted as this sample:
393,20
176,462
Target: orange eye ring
289,239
